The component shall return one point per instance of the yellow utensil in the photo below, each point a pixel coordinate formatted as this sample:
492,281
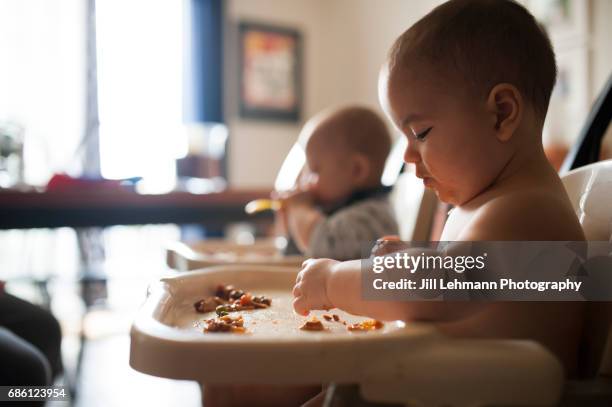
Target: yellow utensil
259,205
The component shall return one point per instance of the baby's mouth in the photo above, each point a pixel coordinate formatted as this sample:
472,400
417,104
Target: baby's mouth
422,176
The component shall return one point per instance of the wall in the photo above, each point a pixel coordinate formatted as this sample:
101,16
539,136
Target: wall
257,148
345,42
601,56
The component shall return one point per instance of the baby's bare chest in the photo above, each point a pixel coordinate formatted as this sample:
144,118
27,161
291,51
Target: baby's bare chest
457,222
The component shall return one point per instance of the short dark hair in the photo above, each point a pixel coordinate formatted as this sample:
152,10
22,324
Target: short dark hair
483,43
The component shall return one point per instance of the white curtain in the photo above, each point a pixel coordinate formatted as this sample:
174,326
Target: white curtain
140,63
42,77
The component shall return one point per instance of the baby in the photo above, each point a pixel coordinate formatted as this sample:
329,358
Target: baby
469,86
344,205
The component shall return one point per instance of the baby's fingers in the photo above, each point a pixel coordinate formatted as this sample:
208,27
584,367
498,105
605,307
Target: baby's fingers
307,262
300,306
297,290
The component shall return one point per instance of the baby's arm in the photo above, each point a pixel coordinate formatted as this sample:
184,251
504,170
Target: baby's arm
326,284
300,216
302,220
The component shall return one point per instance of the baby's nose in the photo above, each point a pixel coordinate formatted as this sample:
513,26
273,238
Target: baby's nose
411,155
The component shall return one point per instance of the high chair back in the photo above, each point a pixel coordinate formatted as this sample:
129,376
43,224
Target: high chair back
413,206
590,191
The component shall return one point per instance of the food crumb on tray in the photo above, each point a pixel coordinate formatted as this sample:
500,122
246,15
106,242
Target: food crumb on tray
229,299
225,323
367,325
313,324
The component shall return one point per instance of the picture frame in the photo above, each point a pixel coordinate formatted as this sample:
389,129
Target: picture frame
270,70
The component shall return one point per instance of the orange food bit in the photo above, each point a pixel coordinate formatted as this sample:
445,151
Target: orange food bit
367,325
245,299
312,324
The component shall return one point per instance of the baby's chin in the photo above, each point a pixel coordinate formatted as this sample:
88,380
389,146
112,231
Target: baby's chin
454,198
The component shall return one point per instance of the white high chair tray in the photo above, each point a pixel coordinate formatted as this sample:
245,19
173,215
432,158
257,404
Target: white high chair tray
166,341
216,252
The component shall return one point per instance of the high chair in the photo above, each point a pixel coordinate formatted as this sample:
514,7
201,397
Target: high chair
590,191
214,252
402,363
589,186
405,365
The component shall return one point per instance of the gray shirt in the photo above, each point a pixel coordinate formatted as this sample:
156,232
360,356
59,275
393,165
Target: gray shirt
348,231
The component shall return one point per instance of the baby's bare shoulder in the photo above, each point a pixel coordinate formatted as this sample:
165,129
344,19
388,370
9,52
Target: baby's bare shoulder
525,215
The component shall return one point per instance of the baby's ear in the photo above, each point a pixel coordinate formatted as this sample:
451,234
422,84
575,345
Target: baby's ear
361,168
506,104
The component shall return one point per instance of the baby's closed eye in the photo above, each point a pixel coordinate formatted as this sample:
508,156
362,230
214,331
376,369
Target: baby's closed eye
421,134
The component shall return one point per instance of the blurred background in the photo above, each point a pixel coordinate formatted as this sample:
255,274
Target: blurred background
200,97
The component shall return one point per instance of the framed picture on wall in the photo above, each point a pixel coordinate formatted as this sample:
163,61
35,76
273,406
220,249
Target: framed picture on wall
270,72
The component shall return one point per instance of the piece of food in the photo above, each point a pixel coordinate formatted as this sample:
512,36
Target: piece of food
336,317
313,324
225,323
259,205
327,317
208,304
228,299
367,325
246,302
228,292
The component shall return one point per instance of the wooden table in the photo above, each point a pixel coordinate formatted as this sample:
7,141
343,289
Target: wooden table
23,210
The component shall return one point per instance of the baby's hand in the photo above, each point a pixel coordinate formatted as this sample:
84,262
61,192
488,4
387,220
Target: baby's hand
294,198
310,289
301,194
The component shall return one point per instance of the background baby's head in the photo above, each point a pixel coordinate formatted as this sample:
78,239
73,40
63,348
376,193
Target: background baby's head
346,150
469,84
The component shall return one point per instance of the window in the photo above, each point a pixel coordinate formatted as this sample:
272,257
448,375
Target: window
42,78
140,66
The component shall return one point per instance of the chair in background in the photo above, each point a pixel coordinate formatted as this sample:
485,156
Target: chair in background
414,207
590,191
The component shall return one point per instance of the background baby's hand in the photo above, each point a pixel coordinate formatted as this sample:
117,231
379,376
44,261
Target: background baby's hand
301,194
298,197
310,289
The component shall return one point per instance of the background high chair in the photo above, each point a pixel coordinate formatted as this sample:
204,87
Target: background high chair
590,190
411,202
589,186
